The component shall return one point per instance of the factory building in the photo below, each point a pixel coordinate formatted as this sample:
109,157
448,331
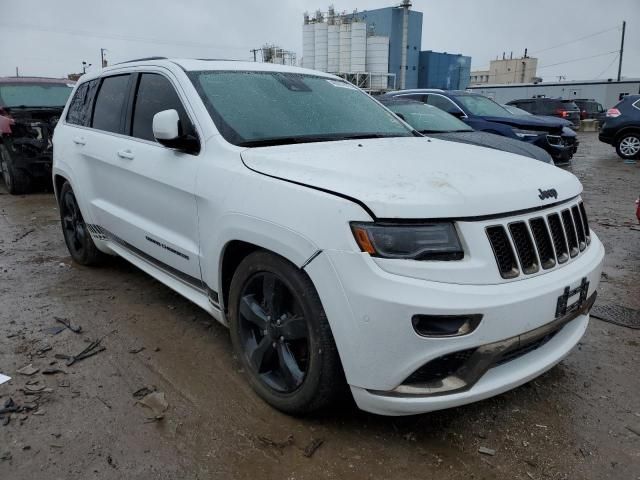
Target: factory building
443,70
376,49
507,71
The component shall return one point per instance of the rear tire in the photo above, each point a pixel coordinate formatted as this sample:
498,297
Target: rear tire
628,146
76,235
16,179
281,336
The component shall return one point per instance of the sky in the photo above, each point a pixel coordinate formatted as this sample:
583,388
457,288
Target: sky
54,37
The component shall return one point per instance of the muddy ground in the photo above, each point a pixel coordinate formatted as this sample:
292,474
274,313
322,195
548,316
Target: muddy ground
577,421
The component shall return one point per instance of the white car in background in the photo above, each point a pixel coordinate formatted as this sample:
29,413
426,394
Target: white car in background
337,244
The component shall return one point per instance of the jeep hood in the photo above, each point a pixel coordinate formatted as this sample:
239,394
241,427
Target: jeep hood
417,178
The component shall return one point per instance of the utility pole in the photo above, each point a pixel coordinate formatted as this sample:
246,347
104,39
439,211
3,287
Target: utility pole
254,51
17,72
624,27
103,62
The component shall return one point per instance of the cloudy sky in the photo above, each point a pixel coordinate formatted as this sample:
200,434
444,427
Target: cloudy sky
53,37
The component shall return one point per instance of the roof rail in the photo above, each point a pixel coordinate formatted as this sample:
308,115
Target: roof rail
141,60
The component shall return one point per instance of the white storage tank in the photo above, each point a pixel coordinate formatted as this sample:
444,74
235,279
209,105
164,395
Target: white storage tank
320,59
344,65
378,60
333,48
308,45
358,46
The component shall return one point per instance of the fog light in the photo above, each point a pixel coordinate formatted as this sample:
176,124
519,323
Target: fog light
445,325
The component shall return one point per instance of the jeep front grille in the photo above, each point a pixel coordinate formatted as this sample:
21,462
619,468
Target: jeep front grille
525,246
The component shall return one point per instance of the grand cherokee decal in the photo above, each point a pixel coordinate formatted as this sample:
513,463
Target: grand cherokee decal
167,247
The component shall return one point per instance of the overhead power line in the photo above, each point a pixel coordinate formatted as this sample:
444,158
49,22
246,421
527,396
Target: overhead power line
576,40
608,66
577,59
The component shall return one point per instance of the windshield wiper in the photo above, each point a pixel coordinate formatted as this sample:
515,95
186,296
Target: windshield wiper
270,142
444,131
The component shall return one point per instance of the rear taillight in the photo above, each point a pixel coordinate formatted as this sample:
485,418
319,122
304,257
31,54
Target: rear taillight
562,112
583,115
613,113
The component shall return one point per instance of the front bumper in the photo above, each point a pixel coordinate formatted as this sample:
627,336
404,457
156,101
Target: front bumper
370,313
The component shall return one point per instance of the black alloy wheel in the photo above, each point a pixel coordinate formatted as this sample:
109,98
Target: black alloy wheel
273,332
15,179
281,335
76,235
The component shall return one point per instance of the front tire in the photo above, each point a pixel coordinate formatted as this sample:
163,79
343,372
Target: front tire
628,146
281,335
76,235
16,180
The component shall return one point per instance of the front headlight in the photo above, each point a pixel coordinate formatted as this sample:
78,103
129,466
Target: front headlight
433,241
526,133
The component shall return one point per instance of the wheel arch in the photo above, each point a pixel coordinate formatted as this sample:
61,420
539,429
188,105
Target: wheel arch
243,235
624,130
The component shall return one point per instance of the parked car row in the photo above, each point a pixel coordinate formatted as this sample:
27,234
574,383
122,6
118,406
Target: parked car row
484,115
622,127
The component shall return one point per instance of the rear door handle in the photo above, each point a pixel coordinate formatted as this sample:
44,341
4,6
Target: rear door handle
79,141
128,154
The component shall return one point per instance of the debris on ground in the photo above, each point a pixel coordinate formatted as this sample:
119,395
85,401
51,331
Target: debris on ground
136,350
143,392
52,371
93,349
617,314
6,456
157,403
55,330
268,442
634,429
4,378
67,324
28,232
28,370
314,445
487,451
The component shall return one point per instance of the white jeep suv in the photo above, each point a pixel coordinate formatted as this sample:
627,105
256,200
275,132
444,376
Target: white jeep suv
338,245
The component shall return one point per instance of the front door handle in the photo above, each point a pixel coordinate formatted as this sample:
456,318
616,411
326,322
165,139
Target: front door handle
128,154
79,141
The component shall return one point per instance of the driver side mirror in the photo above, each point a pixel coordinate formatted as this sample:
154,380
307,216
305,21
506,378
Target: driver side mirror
457,113
167,131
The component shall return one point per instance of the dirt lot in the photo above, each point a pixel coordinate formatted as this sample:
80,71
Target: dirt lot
580,420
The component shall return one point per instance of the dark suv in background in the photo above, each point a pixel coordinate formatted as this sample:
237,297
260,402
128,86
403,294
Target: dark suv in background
554,107
590,109
622,127
29,111
485,115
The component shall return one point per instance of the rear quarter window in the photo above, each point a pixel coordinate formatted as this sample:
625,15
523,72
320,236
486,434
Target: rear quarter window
110,103
80,108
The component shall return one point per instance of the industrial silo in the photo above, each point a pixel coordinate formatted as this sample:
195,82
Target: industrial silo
321,53
358,46
308,45
344,65
333,48
378,61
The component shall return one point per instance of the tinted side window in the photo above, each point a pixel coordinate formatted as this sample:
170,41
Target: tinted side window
442,103
526,106
155,94
112,97
79,112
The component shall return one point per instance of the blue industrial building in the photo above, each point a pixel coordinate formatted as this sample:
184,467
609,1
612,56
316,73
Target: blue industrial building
443,70
388,22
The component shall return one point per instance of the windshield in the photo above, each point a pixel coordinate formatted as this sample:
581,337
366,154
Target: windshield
427,118
34,94
483,106
270,108
515,110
